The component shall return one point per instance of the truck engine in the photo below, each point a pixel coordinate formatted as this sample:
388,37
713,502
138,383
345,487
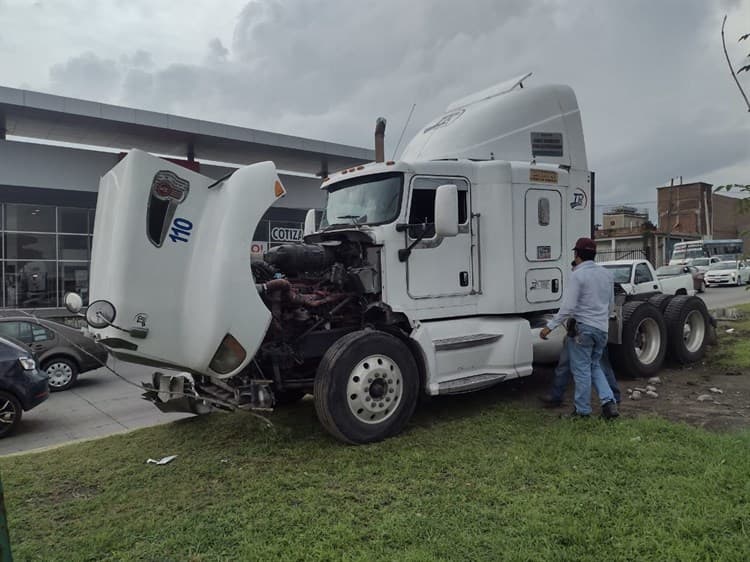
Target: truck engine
316,293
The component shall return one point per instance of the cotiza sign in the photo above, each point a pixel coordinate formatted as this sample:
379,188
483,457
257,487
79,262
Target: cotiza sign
286,234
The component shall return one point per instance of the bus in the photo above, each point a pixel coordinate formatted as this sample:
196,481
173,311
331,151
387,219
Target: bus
724,249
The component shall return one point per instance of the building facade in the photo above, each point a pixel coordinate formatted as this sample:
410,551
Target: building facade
627,233
54,150
694,209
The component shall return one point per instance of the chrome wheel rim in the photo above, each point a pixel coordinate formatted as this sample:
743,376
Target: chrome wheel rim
59,374
8,414
647,341
693,331
374,389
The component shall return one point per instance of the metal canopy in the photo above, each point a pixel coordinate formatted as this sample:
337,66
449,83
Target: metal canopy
56,118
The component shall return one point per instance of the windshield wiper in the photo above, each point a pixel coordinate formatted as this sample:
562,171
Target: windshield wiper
353,218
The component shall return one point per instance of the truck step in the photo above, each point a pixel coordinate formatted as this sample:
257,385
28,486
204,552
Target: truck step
462,342
470,384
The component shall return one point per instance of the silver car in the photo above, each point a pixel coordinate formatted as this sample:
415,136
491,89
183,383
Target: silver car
727,273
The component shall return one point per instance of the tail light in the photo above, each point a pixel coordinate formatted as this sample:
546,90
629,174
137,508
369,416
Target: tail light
228,357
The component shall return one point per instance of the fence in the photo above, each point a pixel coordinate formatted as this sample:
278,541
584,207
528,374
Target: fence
612,255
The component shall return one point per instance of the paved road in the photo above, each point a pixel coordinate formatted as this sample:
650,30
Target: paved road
100,404
723,297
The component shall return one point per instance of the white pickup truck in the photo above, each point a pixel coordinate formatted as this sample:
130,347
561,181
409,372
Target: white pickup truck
638,277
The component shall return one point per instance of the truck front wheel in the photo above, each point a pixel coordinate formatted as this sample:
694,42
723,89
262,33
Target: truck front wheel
366,387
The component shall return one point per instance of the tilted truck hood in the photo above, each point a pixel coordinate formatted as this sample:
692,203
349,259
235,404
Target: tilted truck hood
173,256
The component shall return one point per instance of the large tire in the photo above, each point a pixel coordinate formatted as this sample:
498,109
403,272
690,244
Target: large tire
10,413
366,387
62,373
644,341
661,301
687,326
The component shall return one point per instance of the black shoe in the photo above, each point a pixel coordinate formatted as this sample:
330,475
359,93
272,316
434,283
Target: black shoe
574,415
550,401
609,410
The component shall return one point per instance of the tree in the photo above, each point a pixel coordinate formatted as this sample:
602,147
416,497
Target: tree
744,66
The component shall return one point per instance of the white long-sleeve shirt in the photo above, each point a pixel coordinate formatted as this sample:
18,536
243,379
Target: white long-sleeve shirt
589,297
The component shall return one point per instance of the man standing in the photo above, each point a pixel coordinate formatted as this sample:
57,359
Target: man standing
588,300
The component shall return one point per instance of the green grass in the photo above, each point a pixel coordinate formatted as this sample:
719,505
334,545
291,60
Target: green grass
472,478
733,352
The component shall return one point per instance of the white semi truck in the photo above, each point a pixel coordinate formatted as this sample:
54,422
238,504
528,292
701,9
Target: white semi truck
432,274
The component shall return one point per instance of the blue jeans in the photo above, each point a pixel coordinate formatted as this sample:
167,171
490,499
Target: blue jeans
563,375
585,353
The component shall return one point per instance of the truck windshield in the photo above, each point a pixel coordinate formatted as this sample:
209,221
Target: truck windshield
621,273
365,200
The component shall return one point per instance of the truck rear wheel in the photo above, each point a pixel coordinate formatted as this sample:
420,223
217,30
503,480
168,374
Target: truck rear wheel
644,341
661,301
366,387
687,325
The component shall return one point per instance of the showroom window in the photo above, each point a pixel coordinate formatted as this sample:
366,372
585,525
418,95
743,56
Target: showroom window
45,252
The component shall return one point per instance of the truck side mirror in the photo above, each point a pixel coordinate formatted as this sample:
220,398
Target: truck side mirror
446,210
310,226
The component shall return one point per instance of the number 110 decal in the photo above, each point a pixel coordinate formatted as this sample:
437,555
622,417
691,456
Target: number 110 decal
181,229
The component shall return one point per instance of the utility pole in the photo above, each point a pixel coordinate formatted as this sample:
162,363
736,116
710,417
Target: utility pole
667,249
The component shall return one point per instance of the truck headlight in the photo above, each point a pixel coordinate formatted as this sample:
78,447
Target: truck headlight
228,357
27,363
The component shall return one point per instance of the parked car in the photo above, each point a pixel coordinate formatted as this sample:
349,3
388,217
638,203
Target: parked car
637,277
727,273
22,386
702,264
62,352
671,271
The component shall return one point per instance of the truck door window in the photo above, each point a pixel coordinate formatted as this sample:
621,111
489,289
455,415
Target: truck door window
422,205
642,274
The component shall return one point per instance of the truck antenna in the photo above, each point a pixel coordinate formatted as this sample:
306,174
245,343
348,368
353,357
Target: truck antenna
403,131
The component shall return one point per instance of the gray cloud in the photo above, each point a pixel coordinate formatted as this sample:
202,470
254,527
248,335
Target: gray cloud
87,76
655,94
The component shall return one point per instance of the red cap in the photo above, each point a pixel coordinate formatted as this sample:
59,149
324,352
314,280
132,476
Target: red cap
585,244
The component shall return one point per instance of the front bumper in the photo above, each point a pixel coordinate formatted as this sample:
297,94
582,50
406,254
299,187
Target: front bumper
181,393
720,281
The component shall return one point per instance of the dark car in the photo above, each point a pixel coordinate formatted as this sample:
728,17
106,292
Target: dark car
61,351
22,387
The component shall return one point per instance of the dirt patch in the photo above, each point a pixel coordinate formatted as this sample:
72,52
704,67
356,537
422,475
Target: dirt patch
678,392
67,491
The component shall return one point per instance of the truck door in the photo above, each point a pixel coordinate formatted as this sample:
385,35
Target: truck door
543,220
643,280
438,267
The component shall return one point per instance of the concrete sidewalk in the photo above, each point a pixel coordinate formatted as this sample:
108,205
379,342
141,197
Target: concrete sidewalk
100,404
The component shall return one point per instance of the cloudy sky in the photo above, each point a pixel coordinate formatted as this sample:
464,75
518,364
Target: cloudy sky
656,97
